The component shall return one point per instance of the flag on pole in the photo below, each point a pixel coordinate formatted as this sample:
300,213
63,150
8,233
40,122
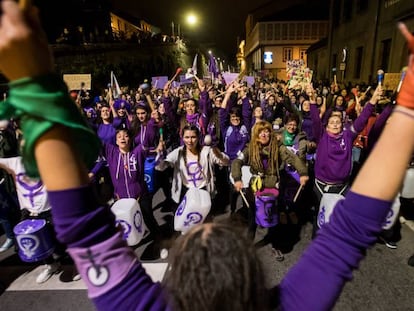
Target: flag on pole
212,66
191,72
116,90
194,68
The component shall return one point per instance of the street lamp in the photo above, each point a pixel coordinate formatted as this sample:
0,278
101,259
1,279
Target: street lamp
191,19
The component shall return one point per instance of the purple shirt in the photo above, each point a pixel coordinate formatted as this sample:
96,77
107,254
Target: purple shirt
334,153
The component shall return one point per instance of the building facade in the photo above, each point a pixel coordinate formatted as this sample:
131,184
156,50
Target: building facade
271,44
363,38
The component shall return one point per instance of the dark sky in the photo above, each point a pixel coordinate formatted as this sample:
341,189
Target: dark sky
220,21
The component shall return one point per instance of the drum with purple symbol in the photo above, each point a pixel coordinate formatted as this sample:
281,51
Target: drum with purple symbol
34,239
192,210
129,216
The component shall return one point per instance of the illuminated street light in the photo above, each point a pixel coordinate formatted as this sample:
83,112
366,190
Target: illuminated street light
191,19
209,51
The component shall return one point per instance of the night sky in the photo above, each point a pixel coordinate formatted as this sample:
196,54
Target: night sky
220,21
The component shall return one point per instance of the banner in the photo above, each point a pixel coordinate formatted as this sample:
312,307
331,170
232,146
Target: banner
229,77
74,81
391,81
159,82
298,75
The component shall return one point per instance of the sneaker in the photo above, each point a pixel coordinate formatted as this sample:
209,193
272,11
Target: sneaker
75,275
278,254
389,244
6,245
47,273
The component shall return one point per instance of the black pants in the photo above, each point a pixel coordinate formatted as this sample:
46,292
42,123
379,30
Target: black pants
145,203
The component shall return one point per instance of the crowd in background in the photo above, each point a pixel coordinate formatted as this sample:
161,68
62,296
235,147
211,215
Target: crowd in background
297,145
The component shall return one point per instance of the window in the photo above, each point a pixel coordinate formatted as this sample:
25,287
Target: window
269,31
347,14
287,54
359,52
284,31
385,54
334,60
302,54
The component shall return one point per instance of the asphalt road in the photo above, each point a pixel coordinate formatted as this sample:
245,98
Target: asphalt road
384,281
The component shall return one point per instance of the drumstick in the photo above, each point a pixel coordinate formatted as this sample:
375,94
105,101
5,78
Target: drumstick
219,94
297,193
177,72
24,4
244,198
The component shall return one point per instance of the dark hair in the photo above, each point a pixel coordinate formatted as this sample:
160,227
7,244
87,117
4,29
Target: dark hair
215,267
236,111
292,117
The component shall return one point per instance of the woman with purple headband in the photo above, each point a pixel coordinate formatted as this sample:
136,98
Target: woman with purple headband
213,266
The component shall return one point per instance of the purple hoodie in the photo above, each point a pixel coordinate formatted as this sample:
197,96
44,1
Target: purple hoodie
127,171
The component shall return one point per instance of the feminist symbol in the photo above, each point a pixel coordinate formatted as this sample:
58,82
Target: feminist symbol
321,217
138,221
181,207
126,227
28,243
98,275
195,173
193,218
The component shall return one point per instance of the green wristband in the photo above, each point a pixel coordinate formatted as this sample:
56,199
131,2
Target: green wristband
40,103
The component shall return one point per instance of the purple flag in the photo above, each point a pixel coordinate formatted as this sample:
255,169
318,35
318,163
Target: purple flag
212,66
159,82
184,80
175,84
229,77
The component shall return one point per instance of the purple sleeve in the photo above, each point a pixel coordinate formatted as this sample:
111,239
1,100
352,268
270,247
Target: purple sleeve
247,113
116,122
316,123
362,120
89,229
224,121
98,165
316,281
378,126
169,110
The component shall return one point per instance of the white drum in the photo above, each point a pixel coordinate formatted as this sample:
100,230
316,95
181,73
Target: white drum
392,214
192,210
408,185
326,207
246,176
128,214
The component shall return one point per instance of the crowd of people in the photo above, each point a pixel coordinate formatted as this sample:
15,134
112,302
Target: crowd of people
299,146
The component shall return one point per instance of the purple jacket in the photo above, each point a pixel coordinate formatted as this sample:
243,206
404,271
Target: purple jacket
127,171
116,279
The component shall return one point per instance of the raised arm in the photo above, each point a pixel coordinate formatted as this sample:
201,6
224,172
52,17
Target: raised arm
87,229
356,221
